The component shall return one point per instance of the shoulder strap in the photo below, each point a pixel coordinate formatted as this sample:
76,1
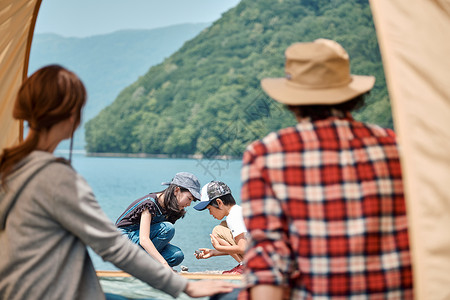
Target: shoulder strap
20,190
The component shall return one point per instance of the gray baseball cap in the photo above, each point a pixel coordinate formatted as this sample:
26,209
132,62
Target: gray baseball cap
188,181
211,191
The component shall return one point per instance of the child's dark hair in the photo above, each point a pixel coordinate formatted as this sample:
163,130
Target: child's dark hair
227,199
171,203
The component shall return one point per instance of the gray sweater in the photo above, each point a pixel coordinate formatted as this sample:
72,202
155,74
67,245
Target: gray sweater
43,251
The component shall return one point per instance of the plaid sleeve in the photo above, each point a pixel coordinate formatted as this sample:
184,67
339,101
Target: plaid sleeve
268,257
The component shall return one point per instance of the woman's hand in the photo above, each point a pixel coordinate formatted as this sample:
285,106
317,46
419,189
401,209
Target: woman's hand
203,253
204,288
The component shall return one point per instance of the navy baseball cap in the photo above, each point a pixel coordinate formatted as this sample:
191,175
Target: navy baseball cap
211,191
188,181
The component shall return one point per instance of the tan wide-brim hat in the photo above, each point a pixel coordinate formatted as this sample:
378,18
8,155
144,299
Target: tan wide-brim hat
317,73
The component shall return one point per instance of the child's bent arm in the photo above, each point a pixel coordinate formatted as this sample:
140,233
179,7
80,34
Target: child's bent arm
226,248
144,237
241,242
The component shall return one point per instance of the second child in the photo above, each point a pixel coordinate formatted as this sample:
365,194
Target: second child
228,238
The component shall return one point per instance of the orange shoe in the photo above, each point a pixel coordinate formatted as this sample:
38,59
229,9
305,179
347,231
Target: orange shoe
239,269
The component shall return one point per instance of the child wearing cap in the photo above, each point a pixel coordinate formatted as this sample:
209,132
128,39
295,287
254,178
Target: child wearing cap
149,221
228,238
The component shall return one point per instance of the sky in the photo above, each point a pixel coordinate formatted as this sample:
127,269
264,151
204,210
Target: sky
82,18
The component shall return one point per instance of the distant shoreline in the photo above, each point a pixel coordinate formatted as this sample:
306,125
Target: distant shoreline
147,155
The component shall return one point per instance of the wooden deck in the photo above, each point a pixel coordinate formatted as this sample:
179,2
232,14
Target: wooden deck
188,275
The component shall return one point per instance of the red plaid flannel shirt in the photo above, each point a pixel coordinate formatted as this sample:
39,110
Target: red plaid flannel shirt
323,203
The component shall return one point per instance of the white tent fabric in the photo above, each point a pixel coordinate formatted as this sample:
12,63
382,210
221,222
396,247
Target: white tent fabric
414,38
17,19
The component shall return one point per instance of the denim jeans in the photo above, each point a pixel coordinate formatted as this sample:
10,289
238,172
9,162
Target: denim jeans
160,235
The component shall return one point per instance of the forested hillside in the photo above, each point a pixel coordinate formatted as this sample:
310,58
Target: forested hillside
108,63
206,98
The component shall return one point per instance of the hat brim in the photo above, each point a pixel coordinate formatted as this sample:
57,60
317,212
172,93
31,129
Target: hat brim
202,205
287,92
195,193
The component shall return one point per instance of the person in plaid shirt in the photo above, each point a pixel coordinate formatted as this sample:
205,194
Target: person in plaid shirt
323,201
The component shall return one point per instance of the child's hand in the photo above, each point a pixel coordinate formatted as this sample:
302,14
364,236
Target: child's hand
198,254
203,253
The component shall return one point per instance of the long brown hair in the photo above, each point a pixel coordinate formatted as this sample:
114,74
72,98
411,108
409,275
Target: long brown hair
52,94
173,211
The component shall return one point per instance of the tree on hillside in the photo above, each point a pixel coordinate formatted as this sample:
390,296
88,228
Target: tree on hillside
206,97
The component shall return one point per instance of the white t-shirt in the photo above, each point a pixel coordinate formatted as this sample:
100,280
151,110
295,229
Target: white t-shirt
235,221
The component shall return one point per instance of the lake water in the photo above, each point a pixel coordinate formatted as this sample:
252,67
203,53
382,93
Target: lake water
118,181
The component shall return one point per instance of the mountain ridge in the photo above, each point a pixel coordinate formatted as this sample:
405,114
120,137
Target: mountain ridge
205,99
107,63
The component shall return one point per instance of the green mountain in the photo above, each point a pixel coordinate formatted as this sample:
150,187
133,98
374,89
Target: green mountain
206,97
110,62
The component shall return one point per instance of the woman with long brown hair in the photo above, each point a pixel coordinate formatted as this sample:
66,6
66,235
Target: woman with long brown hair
48,213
